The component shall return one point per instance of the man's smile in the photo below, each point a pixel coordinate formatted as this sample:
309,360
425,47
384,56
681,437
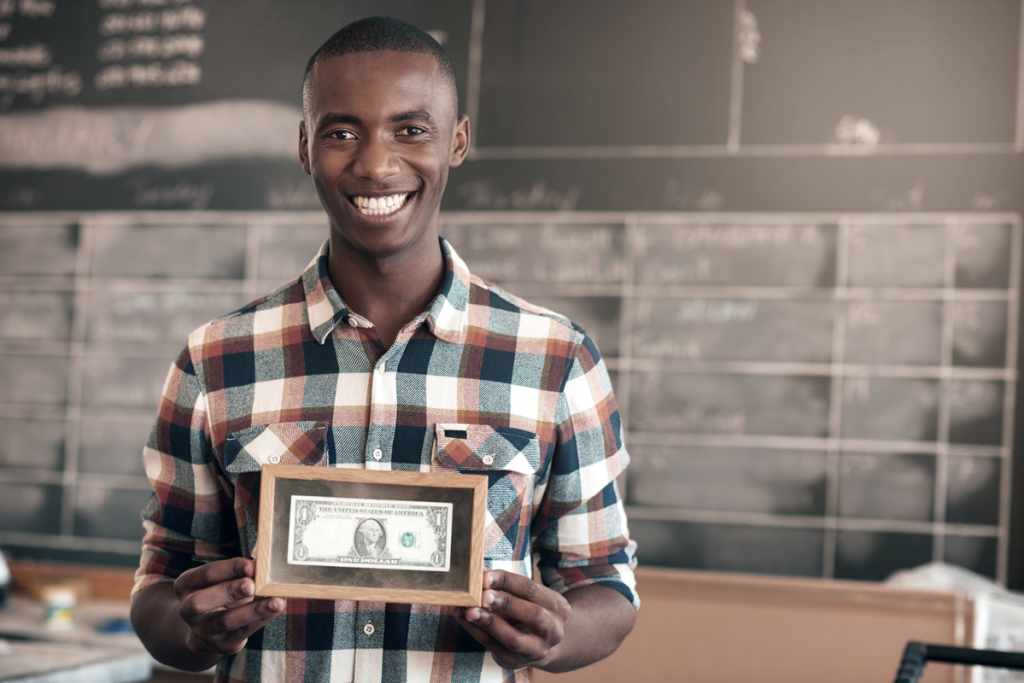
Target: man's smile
380,206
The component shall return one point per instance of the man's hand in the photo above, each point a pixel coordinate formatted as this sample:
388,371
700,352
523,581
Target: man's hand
216,601
524,623
208,613
520,621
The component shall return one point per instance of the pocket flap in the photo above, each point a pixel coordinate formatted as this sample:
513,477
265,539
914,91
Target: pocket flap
483,448
287,443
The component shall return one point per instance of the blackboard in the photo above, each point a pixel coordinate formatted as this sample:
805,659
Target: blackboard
794,225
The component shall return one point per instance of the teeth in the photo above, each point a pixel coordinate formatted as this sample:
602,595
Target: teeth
380,206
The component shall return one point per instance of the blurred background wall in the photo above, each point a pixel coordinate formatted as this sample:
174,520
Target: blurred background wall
792,226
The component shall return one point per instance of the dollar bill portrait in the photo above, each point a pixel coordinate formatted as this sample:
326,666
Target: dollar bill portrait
370,539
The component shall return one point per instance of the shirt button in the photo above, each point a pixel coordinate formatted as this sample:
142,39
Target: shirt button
380,368
352,322
488,459
377,454
368,629
274,459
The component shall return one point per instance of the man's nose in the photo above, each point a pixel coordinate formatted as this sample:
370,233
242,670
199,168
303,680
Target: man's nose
376,160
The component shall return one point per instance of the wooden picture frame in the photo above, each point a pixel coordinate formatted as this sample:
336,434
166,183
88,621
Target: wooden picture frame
420,565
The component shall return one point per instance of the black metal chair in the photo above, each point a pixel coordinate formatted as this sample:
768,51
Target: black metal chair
916,655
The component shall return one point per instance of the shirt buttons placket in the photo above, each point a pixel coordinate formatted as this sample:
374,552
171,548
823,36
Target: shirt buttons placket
369,629
488,459
377,454
352,322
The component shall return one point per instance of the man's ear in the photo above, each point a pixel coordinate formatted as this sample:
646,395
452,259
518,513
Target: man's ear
460,142
303,147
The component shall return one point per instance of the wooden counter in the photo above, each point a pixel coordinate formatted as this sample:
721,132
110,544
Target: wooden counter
735,628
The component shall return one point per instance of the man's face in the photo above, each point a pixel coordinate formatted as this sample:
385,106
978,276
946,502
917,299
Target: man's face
371,532
378,141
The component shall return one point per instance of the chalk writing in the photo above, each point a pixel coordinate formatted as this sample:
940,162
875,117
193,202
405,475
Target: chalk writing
749,37
861,313
155,75
128,4
182,194
555,238
481,194
698,270
498,238
37,56
857,131
963,394
703,199
911,199
667,347
967,315
166,21
541,253
737,237
989,201
857,389
292,196
33,9
717,311
189,45
36,9
38,85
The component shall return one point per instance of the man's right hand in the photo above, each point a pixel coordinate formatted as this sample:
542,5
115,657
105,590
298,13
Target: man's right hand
216,601
208,613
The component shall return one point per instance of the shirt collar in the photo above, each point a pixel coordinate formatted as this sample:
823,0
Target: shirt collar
447,316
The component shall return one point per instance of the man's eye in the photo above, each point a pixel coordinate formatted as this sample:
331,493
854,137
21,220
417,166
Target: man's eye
342,135
412,130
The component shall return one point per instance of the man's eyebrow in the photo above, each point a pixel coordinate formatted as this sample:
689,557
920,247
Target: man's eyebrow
333,118
421,114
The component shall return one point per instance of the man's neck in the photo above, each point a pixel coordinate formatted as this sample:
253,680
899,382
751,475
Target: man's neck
388,291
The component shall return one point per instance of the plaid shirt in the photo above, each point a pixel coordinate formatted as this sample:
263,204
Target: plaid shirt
298,378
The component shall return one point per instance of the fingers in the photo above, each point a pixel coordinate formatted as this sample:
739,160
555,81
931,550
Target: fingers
226,631
519,622
502,655
217,603
214,573
221,596
523,599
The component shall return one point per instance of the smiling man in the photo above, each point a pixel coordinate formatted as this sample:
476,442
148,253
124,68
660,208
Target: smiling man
387,354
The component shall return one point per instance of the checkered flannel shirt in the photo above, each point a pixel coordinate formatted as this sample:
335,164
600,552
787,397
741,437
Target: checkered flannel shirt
298,378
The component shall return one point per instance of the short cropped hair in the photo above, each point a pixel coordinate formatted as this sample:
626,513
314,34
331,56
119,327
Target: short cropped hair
381,33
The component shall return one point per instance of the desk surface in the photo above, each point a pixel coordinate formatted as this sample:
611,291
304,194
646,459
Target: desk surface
35,662
36,654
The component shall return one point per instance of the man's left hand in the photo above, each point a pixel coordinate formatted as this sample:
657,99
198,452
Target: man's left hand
519,621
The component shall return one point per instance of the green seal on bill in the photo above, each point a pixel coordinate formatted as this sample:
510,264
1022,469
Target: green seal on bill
408,539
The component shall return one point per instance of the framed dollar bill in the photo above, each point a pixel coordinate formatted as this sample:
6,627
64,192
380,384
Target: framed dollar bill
340,534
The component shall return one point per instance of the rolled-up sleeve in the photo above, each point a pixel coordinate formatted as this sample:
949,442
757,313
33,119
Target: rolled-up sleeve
189,519
581,535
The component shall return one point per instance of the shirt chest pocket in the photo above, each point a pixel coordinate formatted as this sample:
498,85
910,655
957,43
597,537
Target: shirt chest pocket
247,450
510,459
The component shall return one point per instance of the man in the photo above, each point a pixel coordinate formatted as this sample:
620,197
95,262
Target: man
368,360
370,540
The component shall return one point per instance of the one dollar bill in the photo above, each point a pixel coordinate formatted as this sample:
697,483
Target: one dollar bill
373,533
